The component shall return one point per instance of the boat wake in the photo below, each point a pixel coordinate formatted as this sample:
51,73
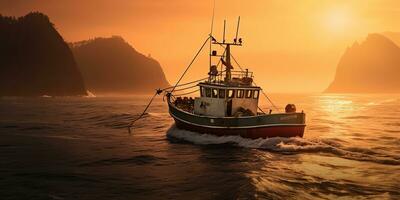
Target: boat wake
289,146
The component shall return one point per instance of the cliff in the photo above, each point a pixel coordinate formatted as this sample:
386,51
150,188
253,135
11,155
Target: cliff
370,67
112,66
394,36
35,60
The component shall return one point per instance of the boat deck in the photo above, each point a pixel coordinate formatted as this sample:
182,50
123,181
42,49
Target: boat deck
185,104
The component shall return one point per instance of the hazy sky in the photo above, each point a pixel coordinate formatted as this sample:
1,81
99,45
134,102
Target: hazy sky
292,46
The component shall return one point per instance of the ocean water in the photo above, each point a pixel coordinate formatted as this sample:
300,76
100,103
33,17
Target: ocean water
79,148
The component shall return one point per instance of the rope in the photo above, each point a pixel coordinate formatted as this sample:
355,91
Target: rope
186,83
166,89
260,109
144,111
187,93
190,64
185,88
159,91
262,91
265,95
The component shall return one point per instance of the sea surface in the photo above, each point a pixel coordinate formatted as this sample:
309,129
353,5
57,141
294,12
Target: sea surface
79,148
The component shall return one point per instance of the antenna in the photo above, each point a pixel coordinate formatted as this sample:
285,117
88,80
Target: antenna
212,21
223,40
237,29
211,32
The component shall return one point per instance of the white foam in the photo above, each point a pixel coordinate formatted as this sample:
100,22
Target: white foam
274,144
90,94
288,145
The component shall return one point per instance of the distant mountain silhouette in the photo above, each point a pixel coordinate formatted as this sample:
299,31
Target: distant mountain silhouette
35,60
370,67
111,65
394,36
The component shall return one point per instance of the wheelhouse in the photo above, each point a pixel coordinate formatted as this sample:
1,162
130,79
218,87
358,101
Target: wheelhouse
226,101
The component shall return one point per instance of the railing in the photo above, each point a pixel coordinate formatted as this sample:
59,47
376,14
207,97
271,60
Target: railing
237,74
220,78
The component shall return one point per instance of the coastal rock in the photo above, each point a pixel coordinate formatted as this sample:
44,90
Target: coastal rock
112,66
370,67
35,60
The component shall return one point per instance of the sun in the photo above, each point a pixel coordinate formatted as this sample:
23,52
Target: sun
338,20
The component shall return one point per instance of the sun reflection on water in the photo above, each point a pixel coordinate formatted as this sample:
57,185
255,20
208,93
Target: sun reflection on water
334,113
338,106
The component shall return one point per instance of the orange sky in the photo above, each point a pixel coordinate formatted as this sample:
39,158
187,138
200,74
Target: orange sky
292,46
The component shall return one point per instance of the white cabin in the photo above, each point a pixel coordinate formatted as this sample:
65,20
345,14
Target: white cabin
226,101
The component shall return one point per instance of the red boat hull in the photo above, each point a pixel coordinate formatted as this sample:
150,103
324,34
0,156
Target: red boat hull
252,133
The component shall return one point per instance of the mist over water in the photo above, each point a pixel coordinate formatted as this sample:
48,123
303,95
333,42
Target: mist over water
79,148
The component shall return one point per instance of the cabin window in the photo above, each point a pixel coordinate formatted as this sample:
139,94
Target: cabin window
221,93
208,92
201,91
249,93
256,94
231,93
240,93
215,93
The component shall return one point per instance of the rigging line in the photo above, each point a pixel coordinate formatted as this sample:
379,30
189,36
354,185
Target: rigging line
144,112
219,61
159,91
260,109
253,81
188,83
266,96
187,93
198,52
262,91
186,88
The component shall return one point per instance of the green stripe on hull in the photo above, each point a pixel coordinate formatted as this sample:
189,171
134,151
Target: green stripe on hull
281,119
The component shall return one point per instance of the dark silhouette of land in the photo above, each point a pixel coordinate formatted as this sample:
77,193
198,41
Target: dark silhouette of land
35,60
370,67
112,66
394,36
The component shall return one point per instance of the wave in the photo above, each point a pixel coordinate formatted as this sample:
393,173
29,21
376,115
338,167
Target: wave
119,120
393,124
359,117
30,126
136,160
376,103
276,144
289,145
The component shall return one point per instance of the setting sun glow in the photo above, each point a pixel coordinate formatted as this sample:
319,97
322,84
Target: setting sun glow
300,42
338,21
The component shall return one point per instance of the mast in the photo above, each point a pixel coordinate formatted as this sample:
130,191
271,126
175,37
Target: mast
228,64
226,57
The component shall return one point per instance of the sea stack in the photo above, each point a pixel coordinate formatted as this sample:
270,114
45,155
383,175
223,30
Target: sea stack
112,66
370,67
35,60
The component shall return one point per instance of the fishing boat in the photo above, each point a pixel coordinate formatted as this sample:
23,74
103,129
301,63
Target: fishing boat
227,101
